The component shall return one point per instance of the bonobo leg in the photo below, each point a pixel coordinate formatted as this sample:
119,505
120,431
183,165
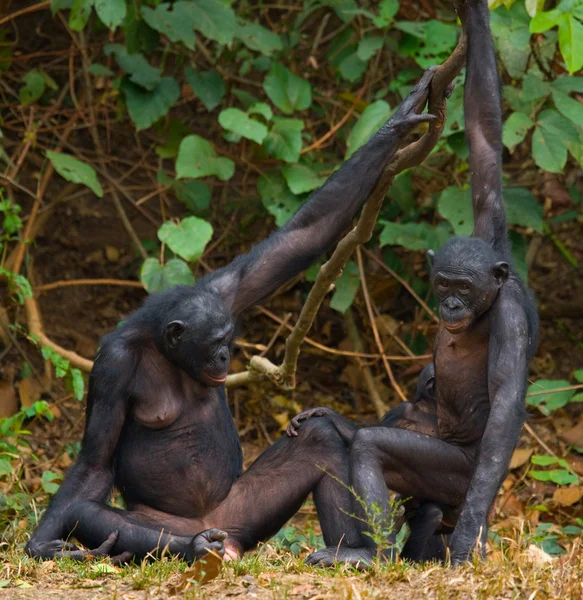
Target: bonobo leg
407,462
423,525
136,536
278,482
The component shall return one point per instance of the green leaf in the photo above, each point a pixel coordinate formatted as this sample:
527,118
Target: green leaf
543,21
346,287
519,247
284,140
157,278
235,120
387,11
48,482
544,460
578,375
111,12
57,5
77,383
176,132
413,236
540,475
548,141
99,70
261,108
372,119
302,179
534,88
569,107
571,42
188,238
207,85
33,89
146,107
286,90
552,400
352,68
195,195
79,15
510,30
522,208
515,129
213,18
76,171
173,21
136,65
369,46
5,467
197,158
258,38
277,198
455,205
563,477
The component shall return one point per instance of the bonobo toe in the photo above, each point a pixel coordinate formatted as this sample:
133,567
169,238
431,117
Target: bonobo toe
360,558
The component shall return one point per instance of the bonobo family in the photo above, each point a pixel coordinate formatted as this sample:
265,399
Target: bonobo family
158,427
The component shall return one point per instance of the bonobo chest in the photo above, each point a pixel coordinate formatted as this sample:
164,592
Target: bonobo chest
179,451
461,375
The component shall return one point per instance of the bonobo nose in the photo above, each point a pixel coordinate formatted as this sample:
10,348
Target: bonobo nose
224,355
453,304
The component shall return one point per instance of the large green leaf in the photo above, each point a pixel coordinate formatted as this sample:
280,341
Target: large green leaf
79,15
258,38
111,12
352,68
413,236
548,141
302,179
571,42
213,18
569,107
136,65
284,140
346,287
515,129
523,209
188,238
455,205
369,46
510,28
549,401
286,90
76,171
235,120
277,198
387,11
173,21
372,119
207,85
146,107
158,278
197,158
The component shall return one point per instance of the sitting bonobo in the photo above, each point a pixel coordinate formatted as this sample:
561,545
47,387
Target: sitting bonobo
487,335
158,423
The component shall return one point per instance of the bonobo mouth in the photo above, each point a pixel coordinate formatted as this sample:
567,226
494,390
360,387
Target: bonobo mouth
457,326
213,380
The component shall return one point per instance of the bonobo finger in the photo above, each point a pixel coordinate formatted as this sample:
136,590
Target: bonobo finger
423,118
292,428
217,547
449,89
215,535
109,543
122,559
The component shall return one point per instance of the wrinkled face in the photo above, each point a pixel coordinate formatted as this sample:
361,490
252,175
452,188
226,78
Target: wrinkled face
465,294
200,339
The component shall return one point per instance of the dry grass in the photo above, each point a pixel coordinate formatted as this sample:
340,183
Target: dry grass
518,572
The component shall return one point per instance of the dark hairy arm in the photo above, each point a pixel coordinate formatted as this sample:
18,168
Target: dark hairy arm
507,379
252,277
483,116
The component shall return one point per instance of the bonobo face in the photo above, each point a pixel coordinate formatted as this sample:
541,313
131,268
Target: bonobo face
199,339
466,278
426,384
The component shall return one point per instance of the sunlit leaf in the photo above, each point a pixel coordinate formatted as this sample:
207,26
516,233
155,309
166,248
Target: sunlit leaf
188,238
158,278
197,158
284,140
372,119
277,198
515,129
302,179
286,90
237,121
346,288
76,171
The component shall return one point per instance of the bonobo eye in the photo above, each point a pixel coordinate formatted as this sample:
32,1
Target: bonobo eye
464,288
443,286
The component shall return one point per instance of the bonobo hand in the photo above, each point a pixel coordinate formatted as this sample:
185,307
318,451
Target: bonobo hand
205,541
320,411
468,533
63,549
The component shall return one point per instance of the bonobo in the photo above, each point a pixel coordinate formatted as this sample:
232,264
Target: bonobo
158,425
425,519
488,333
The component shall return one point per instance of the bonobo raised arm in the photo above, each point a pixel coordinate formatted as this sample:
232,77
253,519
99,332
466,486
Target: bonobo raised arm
158,424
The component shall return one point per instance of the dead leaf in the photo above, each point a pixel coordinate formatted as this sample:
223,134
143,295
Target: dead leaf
574,436
567,496
111,253
8,400
4,326
29,390
537,556
202,571
520,457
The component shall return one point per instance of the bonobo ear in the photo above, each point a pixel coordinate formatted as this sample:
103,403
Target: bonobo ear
431,256
173,333
430,386
500,272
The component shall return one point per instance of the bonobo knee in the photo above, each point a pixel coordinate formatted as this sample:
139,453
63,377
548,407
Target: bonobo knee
366,440
319,431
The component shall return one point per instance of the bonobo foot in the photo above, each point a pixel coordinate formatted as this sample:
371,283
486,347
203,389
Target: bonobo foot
360,558
320,411
205,542
63,549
